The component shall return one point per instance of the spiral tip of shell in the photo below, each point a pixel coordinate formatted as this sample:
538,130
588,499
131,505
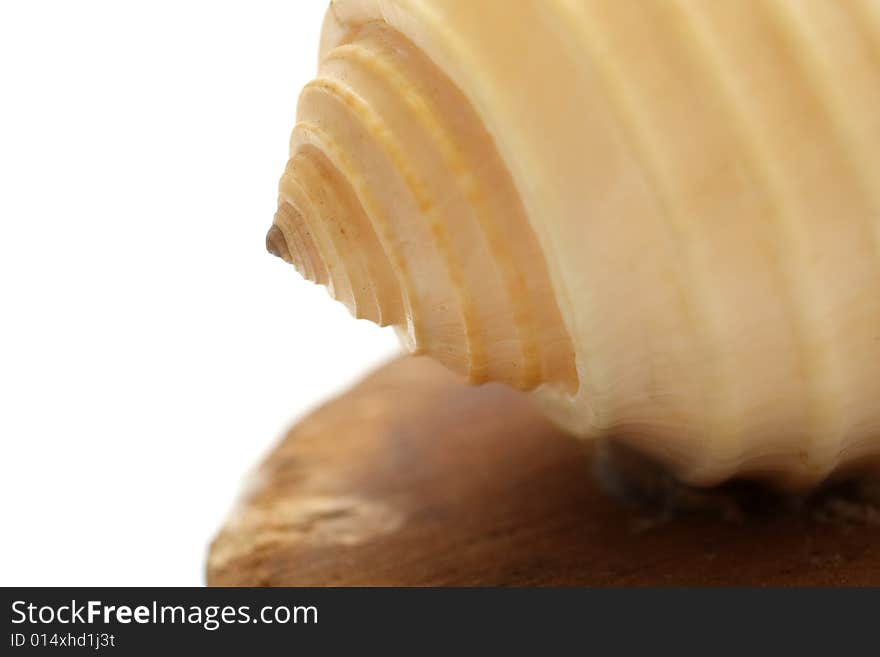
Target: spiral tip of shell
277,245
396,198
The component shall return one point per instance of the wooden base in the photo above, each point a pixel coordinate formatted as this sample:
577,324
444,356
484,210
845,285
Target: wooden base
413,478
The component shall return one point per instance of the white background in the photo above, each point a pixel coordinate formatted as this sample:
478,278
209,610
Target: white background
151,351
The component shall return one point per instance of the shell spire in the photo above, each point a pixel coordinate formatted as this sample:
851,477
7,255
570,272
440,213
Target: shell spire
395,189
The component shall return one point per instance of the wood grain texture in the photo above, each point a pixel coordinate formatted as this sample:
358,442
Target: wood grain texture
413,478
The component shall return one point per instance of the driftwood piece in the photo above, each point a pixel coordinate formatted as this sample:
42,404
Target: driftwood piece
413,478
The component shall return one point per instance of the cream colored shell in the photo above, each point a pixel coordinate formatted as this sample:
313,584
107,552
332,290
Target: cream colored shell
662,217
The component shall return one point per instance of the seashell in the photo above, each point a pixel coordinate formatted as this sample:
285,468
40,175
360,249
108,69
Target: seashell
661,218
